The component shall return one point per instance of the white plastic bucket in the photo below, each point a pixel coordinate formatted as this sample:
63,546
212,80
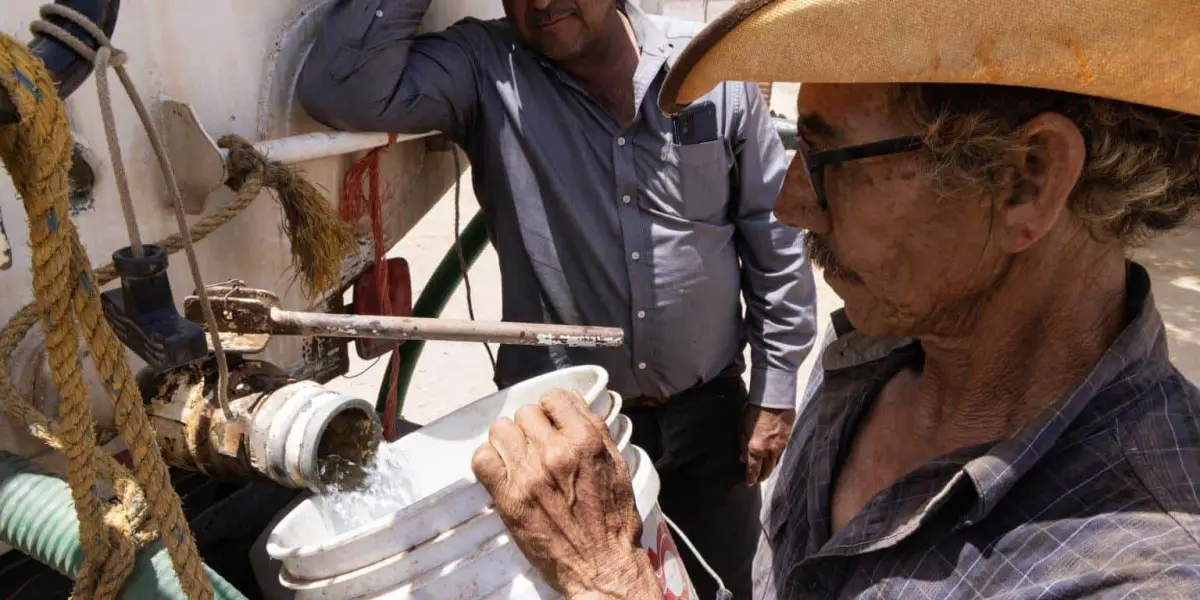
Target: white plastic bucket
448,561
498,571
447,515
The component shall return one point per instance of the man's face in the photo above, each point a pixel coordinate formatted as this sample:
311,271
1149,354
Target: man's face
905,259
558,29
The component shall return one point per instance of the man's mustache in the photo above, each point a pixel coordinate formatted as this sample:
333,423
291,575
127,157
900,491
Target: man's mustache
541,17
821,254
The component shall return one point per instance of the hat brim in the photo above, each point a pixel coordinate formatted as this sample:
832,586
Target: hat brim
1145,52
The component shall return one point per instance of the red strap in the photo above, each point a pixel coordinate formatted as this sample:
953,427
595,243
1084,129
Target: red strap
350,209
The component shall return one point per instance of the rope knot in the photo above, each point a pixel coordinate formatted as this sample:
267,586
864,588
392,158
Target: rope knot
108,55
105,56
320,239
243,163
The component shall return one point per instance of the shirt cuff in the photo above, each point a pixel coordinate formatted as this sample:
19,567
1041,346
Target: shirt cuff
773,388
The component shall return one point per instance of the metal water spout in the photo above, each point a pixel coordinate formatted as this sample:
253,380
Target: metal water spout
298,434
201,165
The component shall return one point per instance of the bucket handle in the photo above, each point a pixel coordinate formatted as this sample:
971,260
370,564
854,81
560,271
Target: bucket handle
723,592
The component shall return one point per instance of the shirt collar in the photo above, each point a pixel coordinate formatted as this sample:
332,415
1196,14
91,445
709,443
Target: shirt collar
650,37
853,348
657,52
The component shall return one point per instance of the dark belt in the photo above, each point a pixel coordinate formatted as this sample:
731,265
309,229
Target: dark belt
715,386
647,401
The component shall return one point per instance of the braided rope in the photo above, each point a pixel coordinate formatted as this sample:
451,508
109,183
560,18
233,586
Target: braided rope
134,508
37,153
40,177
251,173
21,410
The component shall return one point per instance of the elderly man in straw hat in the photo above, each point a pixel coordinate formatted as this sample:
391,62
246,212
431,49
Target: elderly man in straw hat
995,413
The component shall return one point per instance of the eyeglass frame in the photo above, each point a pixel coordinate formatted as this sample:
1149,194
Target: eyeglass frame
815,162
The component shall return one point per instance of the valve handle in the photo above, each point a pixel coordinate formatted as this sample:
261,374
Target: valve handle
143,315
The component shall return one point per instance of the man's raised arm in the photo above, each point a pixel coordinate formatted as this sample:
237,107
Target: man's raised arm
368,70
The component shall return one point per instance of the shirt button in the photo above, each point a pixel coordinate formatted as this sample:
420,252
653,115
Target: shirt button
641,314
635,255
642,366
626,199
379,13
620,141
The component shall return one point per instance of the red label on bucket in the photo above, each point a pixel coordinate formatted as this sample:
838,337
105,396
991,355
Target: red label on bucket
672,575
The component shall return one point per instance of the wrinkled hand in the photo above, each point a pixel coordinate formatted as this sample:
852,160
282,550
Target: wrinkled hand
566,496
765,433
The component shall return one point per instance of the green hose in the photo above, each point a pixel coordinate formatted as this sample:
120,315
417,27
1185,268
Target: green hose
434,297
37,517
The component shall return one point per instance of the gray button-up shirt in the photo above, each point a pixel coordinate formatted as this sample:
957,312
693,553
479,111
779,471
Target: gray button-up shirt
594,223
1097,497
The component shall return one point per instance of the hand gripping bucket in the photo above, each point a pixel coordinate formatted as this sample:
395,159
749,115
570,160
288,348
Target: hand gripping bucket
442,540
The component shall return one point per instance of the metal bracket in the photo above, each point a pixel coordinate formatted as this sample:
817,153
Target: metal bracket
195,158
199,163
220,295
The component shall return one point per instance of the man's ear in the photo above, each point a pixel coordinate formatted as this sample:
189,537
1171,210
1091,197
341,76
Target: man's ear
1044,175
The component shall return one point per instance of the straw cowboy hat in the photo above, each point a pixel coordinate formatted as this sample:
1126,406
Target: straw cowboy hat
1139,51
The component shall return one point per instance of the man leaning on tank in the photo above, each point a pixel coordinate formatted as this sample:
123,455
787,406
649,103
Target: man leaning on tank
604,211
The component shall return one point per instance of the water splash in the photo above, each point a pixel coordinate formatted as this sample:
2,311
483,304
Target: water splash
383,490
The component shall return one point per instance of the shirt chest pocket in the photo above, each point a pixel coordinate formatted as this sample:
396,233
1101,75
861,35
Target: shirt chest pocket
695,181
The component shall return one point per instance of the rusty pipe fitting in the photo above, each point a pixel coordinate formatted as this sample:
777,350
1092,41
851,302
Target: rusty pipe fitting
298,435
306,434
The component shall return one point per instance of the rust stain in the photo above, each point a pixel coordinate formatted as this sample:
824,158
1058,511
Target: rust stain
935,60
1086,72
991,67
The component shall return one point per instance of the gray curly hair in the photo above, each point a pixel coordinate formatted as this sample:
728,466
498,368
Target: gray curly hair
1142,172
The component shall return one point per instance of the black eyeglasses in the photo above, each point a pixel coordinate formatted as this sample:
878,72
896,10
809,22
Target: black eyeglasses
815,162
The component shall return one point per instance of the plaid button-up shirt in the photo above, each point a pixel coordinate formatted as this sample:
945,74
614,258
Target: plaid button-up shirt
1098,497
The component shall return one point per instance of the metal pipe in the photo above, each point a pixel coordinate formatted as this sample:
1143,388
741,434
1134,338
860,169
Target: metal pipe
244,310
68,69
301,435
322,144
450,330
